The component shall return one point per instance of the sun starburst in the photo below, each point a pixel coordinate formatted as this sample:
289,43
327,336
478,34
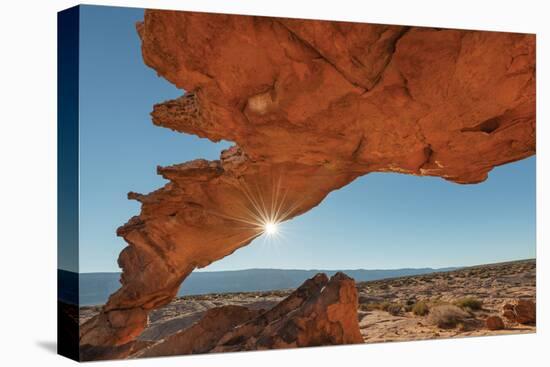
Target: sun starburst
263,208
271,228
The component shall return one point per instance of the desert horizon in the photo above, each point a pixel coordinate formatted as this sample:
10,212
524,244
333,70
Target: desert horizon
95,287
454,266
388,310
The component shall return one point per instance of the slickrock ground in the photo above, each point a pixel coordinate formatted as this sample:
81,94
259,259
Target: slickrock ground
311,106
321,311
493,285
182,312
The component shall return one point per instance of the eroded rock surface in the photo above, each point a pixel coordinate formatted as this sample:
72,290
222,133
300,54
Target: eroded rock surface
521,311
311,105
203,335
494,323
320,312
494,285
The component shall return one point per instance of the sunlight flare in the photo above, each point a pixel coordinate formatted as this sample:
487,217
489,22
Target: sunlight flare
271,228
263,210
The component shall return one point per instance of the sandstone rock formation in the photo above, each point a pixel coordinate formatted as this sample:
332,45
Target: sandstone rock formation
320,312
492,284
310,105
522,311
494,323
203,335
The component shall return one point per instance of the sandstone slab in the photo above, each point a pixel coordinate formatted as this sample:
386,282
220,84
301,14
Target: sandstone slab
320,312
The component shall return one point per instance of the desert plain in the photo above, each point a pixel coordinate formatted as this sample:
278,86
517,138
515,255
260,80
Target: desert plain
483,300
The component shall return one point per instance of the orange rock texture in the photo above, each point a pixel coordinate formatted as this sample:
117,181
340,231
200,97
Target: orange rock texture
204,334
320,312
494,323
310,105
522,311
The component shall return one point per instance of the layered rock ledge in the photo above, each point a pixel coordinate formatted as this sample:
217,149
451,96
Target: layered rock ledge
310,105
320,312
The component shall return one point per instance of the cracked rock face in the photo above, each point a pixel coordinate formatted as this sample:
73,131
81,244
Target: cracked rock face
522,311
310,105
319,312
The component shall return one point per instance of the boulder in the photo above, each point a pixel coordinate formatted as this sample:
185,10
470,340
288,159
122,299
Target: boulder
494,323
319,312
202,336
521,311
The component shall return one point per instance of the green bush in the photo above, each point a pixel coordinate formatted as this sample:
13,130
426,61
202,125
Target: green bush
469,302
421,308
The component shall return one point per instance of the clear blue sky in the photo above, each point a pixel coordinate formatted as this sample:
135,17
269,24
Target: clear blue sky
378,221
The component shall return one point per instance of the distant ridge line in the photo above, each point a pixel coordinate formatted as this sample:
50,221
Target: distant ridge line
342,270
95,288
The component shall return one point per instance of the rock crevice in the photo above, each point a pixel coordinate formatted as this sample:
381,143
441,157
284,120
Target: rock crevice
319,312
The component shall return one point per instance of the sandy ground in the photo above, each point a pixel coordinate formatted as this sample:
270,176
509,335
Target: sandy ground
493,285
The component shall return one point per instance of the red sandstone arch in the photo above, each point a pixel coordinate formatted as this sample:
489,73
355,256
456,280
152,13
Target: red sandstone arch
311,105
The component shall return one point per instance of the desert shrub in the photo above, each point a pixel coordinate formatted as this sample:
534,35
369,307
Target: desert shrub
437,301
394,309
472,303
447,316
381,306
421,308
371,306
390,307
365,307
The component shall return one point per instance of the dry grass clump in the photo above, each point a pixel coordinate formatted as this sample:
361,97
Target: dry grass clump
371,306
420,309
471,303
394,309
447,316
390,307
